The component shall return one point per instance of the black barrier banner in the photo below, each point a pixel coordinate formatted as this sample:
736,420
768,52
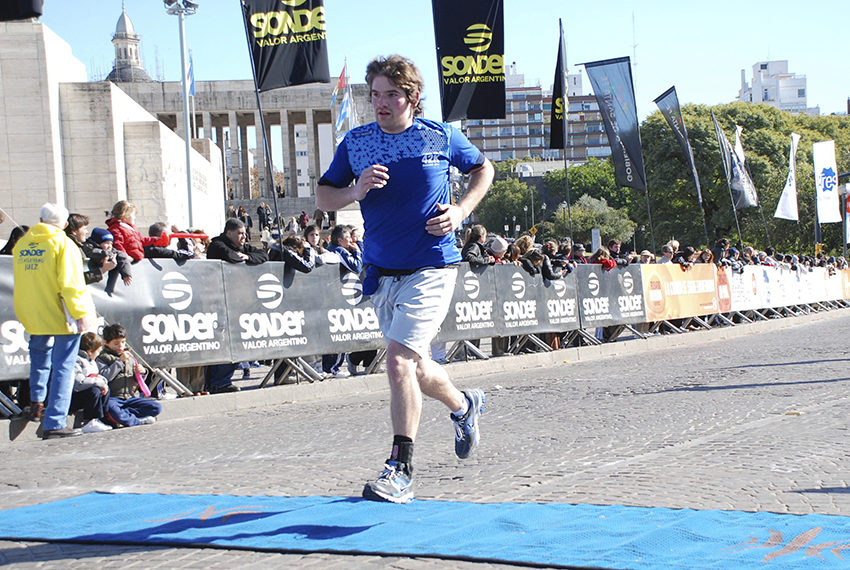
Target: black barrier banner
284,314
521,302
470,38
610,297
560,297
175,315
14,342
472,313
612,85
270,312
348,321
288,42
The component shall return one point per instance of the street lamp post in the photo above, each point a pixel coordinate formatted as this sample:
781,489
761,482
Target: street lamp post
181,9
525,209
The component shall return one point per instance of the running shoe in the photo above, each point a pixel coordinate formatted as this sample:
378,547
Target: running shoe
466,427
393,485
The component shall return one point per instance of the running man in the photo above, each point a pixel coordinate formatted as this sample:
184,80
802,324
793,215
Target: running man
401,167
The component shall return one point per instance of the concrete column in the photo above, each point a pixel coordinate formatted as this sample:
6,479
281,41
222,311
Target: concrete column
179,129
312,151
245,173
259,154
235,157
206,119
287,143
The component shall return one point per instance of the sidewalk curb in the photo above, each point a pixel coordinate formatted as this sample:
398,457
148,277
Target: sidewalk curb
197,406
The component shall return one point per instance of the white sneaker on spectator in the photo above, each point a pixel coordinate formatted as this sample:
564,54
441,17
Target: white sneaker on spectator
147,420
94,426
341,374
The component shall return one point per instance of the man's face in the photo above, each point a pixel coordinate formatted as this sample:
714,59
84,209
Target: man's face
237,236
344,240
667,252
615,248
393,111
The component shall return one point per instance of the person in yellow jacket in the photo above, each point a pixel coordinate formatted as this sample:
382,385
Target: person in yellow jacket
48,294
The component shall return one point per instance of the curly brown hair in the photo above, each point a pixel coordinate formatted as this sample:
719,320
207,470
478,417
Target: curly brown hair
403,73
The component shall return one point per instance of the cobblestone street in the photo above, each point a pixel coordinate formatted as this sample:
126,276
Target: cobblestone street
750,421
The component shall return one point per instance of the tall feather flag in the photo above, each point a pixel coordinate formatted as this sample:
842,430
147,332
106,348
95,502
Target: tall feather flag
826,182
559,98
668,104
787,206
340,84
741,186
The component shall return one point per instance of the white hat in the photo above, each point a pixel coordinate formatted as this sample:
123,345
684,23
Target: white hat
498,245
54,214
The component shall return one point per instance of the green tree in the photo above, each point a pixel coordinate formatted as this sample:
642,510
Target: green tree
589,213
504,200
594,178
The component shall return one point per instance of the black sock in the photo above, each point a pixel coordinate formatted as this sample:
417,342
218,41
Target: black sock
402,452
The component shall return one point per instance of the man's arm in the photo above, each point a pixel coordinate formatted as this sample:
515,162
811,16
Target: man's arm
452,215
331,199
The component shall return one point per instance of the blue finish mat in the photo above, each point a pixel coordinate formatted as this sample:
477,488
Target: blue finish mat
539,534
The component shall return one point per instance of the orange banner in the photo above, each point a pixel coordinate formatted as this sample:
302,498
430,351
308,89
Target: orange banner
674,293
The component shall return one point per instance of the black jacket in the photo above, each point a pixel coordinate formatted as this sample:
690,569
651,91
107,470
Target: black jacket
475,253
290,257
224,249
157,252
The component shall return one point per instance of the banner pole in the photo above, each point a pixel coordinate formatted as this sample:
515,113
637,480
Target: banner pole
648,212
764,222
262,125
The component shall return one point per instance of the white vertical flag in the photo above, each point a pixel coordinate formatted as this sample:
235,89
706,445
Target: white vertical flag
826,182
739,148
787,206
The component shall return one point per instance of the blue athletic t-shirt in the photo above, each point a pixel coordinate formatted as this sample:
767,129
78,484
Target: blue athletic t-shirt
394,216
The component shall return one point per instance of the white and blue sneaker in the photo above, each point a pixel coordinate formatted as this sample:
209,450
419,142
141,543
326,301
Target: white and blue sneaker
466,427
393,485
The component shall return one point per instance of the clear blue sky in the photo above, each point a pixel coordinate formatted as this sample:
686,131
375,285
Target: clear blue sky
700,47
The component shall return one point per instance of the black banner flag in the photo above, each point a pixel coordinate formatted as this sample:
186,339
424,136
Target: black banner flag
668,104
20,9
470,38
288,43
559,98
612,84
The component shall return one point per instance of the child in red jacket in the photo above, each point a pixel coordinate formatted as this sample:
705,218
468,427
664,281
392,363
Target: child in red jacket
122,226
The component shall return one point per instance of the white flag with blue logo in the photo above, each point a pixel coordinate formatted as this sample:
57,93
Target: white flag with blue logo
826,182
787,206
